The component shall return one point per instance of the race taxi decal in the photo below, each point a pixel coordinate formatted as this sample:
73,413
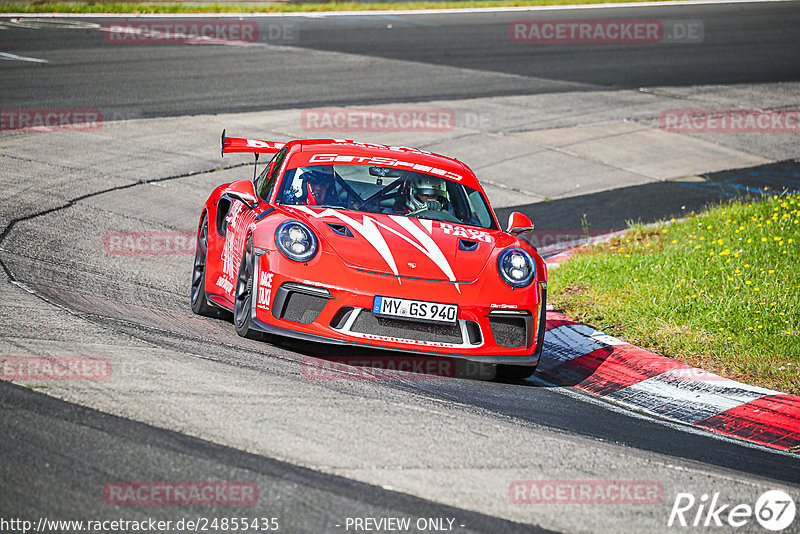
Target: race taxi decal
467,233
264,290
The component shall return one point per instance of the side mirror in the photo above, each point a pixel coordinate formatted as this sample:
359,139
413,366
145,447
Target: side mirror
244,191
518,223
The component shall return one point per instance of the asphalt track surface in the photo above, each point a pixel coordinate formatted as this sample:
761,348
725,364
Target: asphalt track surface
437,57
74,477
57,455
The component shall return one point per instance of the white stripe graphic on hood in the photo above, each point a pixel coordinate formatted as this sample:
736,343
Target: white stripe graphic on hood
366,228
431,249
369,229
420,248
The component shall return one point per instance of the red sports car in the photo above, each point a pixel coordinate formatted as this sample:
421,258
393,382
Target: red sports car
371,245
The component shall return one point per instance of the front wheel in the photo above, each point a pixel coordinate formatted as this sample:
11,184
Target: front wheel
243,302
512,373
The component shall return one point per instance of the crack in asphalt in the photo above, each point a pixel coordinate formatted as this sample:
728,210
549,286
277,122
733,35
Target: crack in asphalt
71,202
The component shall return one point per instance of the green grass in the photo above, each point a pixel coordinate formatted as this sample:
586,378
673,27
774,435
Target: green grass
718,290
270,7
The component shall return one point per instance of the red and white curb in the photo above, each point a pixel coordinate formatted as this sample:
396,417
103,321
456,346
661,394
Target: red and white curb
578,355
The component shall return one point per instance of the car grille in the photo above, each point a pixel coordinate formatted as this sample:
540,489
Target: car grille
299,303
509,331
368,323
302,308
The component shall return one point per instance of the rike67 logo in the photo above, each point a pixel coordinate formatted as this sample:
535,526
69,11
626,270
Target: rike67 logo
774,510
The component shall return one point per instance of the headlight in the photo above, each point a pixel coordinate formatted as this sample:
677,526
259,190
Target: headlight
516,267
296,241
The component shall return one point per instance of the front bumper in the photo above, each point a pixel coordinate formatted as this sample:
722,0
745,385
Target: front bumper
292,302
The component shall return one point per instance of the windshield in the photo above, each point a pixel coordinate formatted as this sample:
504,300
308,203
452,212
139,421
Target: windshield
385,190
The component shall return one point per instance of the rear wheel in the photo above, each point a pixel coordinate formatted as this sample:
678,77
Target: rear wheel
243,302
200,303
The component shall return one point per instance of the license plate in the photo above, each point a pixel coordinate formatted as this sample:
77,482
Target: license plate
416,310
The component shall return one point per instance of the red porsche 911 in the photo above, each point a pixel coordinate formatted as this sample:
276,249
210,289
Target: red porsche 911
368,245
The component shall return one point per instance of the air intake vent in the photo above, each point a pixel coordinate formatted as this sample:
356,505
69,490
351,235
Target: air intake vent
474,333
299,303
467,244
341,316
509,331
341,229
302,308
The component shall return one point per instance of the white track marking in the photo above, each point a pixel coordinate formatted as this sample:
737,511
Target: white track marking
52,23
615,406
15,57
688,400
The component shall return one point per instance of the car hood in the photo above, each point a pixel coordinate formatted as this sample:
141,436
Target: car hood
402,246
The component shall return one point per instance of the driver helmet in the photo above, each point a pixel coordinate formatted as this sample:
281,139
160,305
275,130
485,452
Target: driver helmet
427,192
318,184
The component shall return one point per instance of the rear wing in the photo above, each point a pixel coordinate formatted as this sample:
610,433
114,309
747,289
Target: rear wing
253,146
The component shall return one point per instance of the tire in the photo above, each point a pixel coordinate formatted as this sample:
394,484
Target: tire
243,300
514,373
198,296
